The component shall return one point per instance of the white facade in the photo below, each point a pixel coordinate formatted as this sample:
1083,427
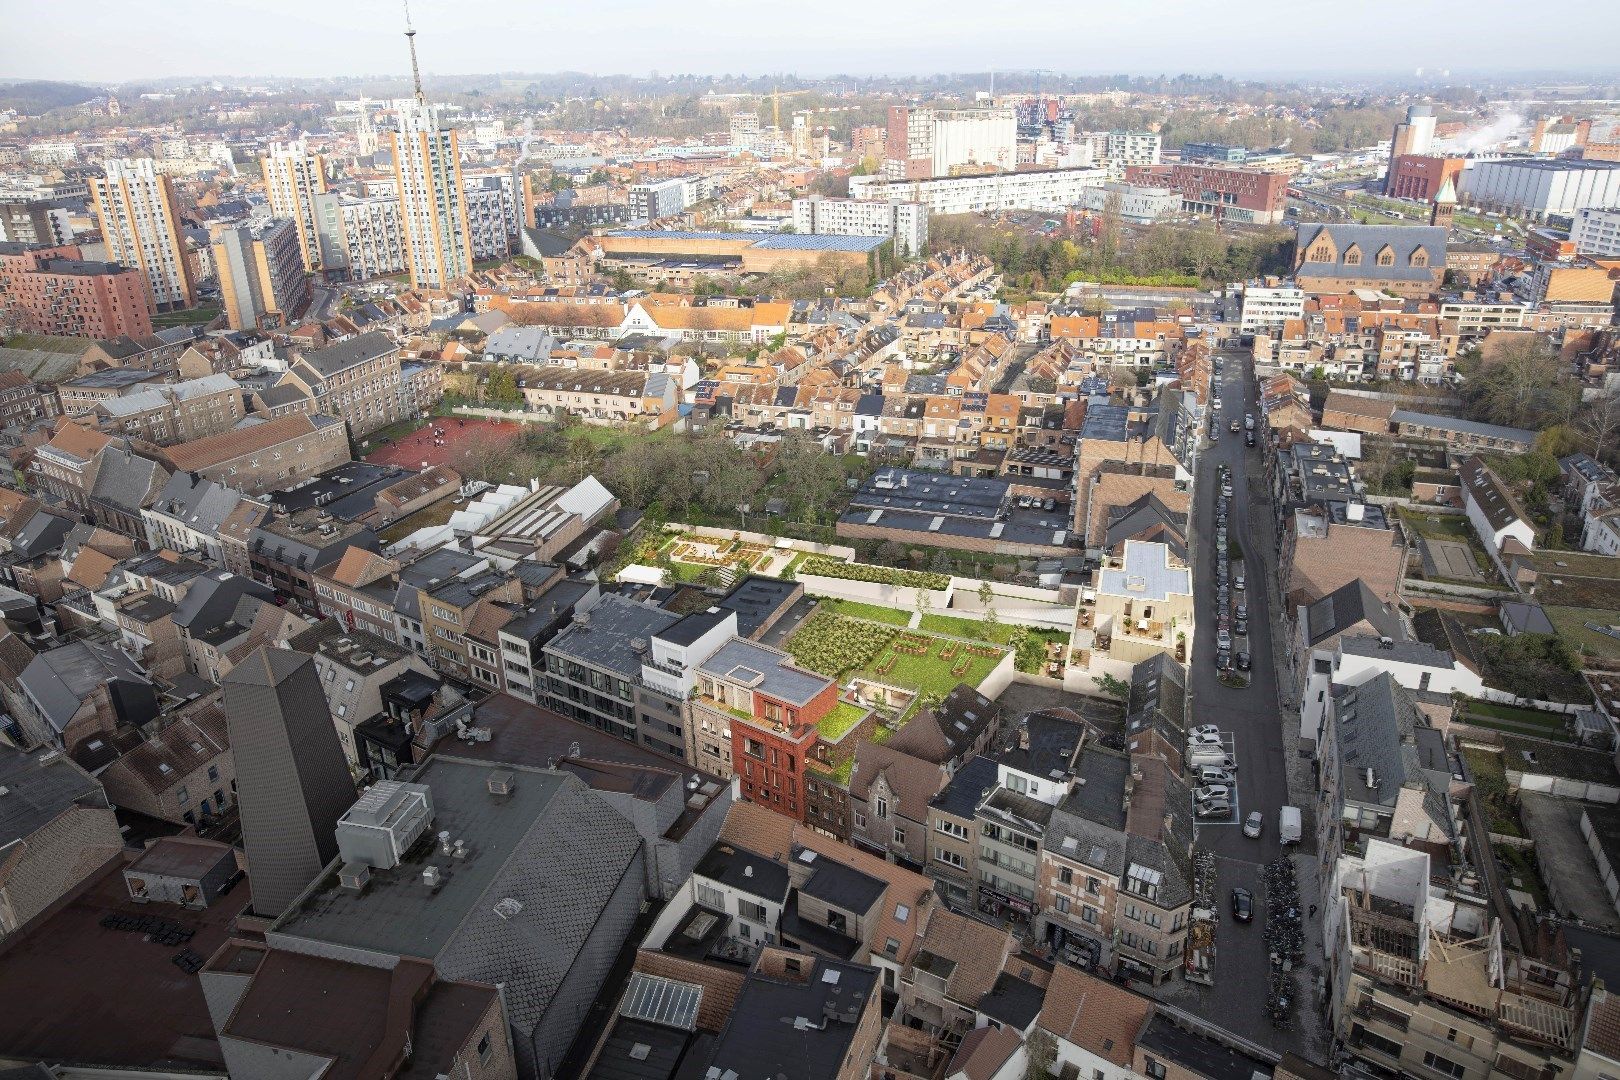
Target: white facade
292,179
494,214
907,223
1597,232
1601,535
1137,202
433,206
1475,317
660,198
973,137
1443,676
1536,188
1271,305
364,235
1052,189
1133,148
135,207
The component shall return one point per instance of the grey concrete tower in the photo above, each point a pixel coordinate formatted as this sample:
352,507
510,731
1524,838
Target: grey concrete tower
291,777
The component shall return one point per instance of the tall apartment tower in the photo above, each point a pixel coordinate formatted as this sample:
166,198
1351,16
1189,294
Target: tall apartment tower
433,206
140,222
262,283
292,779
292,179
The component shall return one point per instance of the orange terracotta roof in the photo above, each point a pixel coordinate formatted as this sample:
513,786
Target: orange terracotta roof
78,440
91,568
361,567
1094,1014
203,453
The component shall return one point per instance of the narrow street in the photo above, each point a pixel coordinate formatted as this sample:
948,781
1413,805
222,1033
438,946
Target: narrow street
1251,716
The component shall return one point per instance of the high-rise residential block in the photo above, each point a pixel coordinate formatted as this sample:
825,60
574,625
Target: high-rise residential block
52,290
905,222
292,179
292,779
260,266
433,205
25,220
360,238
140,223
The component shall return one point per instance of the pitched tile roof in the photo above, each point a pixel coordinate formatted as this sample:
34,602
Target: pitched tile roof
210,451
1094,1014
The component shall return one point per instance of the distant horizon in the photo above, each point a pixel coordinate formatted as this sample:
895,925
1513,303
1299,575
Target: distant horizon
313,39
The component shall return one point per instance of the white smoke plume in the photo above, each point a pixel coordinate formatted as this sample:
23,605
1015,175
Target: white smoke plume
1488,137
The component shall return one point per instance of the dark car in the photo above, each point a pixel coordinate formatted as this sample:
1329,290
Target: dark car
1242,905
1248,439
1243,661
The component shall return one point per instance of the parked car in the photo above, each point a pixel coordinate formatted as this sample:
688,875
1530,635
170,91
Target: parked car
1234,427
1223,638
1242,905
1242,626
1252,826
1248,438
1226,489
1212,774
1204,733
1243,661
1215,808
1214,791
1238,580
1242,610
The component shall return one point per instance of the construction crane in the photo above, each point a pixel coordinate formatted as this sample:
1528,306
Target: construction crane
777,94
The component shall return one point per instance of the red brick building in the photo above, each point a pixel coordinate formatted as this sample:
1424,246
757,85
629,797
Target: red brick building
54,290
1419,176
774,710
1234,194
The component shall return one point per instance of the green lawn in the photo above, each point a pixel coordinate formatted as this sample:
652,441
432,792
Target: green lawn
831,645
1532,717
1570,622
855,609
607,438
189,317
48,343
1490,783
929,674
841,721
975,629
1438,526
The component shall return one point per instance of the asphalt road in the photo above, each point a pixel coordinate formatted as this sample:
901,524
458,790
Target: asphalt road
1249,714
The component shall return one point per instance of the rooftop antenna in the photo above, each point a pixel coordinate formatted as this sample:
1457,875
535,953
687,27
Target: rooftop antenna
416,72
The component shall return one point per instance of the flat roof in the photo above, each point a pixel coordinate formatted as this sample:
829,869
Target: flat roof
140,1011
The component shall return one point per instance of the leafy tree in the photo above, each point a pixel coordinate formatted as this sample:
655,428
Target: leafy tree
1112,686
501,388
1041,1050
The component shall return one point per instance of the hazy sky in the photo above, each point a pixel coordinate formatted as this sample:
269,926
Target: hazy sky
115,40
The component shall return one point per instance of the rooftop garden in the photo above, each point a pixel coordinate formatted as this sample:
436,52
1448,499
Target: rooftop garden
822,566
874,612
844,718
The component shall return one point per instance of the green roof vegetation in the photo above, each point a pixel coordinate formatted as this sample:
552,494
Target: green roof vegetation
843,719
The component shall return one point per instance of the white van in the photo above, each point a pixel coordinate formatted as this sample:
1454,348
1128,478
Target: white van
1288,826
1215,756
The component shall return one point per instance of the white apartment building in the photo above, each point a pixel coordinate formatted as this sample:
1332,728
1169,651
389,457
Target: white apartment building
363,236
973,137
292,179
433,206
1477,317
1132,148
1052,189
1136,202
1270,305
664,198
494,213
1597,231
744,128
907,223
140,224
1536,188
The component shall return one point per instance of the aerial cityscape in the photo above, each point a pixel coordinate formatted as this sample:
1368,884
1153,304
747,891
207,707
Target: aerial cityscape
907,544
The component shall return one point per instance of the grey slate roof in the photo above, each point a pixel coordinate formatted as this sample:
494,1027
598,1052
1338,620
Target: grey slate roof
212,600
530,344
1346,606
43,534
1467,427
1403,240
740,661
345,354
1380,729
198,503
127,480
603,642
39,785
58,681
552,846
1485,489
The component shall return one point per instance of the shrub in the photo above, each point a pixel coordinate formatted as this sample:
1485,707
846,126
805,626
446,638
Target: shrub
821,566
833,645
